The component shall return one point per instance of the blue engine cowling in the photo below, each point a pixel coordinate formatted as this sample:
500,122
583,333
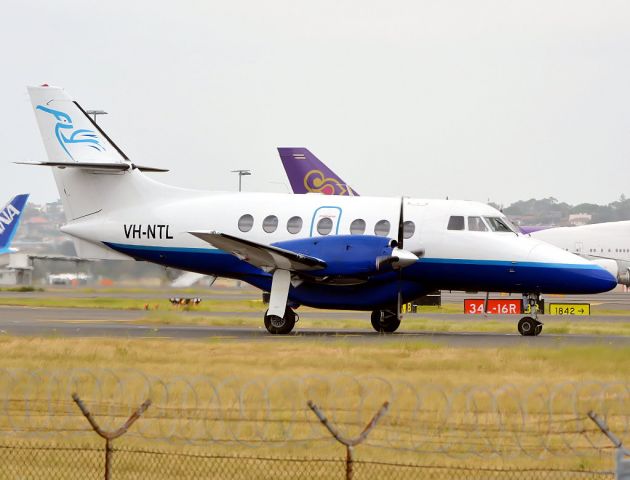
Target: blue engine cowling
345,255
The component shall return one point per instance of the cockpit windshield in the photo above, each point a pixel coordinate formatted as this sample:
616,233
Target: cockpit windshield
498,224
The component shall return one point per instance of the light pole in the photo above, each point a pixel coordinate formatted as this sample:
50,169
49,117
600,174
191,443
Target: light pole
94,113
241,173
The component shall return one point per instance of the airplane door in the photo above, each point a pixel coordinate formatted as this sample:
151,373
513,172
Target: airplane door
578,247
325,221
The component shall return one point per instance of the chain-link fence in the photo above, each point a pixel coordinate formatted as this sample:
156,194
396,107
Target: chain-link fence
39,461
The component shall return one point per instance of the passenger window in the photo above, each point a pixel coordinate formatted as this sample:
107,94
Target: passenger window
270,223
409,228
382,228
476,224
294,225
357,227
324,226
456,223
245,223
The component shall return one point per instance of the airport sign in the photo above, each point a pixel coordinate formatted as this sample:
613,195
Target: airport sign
502,306
569,309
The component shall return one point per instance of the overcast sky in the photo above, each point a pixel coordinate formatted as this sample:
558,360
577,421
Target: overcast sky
501,100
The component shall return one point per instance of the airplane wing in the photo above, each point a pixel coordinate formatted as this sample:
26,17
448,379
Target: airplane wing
262,256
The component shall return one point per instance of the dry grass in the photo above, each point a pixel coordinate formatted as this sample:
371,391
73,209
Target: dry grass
417,363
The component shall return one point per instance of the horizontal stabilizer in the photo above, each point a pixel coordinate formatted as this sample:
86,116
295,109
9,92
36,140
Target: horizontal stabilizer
262,256
115,167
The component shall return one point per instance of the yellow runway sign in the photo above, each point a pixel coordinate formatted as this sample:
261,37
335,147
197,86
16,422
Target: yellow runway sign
569,309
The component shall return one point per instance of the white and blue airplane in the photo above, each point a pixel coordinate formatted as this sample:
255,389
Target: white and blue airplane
10,217
354,253
606,244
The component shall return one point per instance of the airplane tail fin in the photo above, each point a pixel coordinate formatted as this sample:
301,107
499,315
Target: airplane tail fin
309,174
68,132
10,217
93,175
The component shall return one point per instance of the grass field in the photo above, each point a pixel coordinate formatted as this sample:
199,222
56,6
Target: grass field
245,366
416,362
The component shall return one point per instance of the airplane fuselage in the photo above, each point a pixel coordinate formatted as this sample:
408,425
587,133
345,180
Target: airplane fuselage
452,259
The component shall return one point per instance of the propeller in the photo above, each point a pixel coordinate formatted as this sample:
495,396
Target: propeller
401,239
399,257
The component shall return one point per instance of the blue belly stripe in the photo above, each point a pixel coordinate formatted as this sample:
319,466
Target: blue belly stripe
426,275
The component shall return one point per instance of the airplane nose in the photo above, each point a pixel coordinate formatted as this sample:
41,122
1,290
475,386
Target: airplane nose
570,273
598,280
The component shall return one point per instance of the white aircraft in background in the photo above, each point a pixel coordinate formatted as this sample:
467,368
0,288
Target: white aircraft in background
10,217
607,244
343,252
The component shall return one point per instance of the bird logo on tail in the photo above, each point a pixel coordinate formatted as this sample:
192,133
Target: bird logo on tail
65,124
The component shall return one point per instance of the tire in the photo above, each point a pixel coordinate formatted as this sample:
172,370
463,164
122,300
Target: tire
527,326
538,329
388,324
280,326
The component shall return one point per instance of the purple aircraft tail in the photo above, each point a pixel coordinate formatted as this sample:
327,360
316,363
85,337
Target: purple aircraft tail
308,174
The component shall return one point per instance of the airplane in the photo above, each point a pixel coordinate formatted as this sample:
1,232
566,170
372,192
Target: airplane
343,252
10,217
607,244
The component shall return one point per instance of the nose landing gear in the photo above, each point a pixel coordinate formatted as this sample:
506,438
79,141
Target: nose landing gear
530,326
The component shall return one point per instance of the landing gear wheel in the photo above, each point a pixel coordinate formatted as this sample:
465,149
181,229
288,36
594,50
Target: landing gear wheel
280,325
388,322
528,327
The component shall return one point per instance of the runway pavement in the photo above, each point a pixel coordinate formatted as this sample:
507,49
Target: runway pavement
82,322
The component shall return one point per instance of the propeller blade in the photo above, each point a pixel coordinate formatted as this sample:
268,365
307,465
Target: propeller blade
401,223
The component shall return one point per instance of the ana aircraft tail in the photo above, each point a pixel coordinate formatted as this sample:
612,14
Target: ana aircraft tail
308,174
10,217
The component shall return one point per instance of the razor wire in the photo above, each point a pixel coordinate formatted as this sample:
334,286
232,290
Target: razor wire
454,420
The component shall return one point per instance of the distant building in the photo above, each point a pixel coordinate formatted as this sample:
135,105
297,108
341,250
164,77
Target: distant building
16,269
577,219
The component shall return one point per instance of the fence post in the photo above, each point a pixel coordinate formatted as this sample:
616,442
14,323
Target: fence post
110,436
622,466
349,443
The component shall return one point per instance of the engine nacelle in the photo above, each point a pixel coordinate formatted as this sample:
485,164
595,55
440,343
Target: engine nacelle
623,275
349,255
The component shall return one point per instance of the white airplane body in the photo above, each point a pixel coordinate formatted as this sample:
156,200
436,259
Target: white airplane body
360,253
607,244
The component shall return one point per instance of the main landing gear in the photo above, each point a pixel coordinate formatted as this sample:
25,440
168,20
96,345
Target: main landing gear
385,321
281,325
280,318
531,326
